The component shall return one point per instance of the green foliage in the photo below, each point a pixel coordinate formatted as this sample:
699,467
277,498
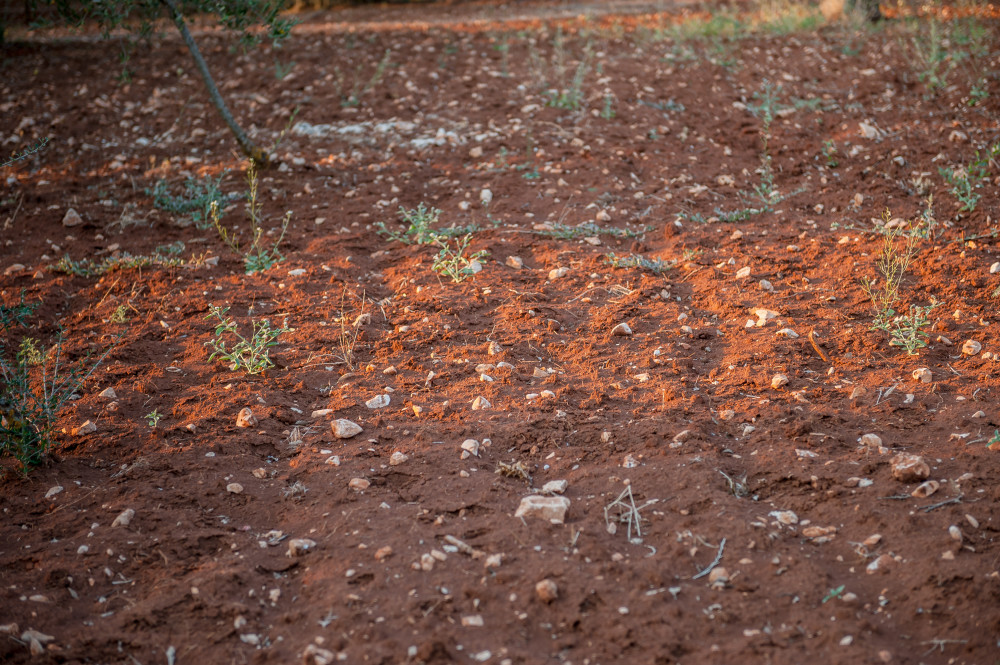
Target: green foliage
360,86
34,386
24,154
453,263
908,331
249,355
195,200
259,255
123,261
994,441
420,229
587,229
153,418
965,181
658,266
892,263
830,153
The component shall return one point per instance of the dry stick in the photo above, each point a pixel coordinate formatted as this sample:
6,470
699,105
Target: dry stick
812,341
957,499
718,558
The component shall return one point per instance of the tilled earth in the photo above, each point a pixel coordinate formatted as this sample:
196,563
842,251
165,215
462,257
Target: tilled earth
724,504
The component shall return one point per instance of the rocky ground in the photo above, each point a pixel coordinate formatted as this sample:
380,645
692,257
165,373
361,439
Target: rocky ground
640,414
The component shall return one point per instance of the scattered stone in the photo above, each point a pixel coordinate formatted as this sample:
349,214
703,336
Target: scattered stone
383,553
554,487
470,447
427,563
398,458
603,216
87,427
872,540
481,404
299,546
8,628
378,402
763,316
923,375
515,262
320,413
547,590
743,272
550,508
779,380
882,563
955,533
472,621
859,392
345,429
948,555
108,393
36,641
766,286
390,370
234,488
486,197
719,577
494,349
680,438
787,332
630,462
359,484
971,347
909,468
13,268
556,273
245,418
995,268
972,521
621,330
871,441
925,489
315,655
786,517
333,460
123,518
53,491
72,218
818,532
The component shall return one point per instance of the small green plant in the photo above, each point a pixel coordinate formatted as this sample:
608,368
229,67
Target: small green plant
834,593
283,70
195,200
908,330
153,418
658,266
608,111
259,255
892,263
34,386
965,181
830,153
360,87
419,229
120,314
123,261
453,263
249,355
24,154
995,441
588,229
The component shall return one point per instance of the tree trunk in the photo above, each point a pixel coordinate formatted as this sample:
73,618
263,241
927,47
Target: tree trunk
258,156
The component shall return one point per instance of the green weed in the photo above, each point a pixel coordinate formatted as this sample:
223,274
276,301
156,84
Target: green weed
452,262
258,256
195,200
892,263
251,355
965,181
908,331
360,86
657,266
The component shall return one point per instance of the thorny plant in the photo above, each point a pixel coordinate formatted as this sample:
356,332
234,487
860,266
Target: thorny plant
252,355
34,386
453,263
893,261
258,255
966,180
908,331
360,87
195,200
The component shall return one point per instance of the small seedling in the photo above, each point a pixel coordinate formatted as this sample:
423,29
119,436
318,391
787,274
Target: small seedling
834,593
966,180
908,331
419,229
830,153
24,154
258,256
995,441
892,263
153,418
250,355
658,266
195,200
452,262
